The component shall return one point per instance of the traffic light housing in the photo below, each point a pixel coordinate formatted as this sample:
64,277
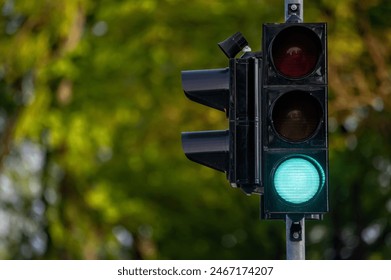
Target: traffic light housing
276,103
233,90
294,119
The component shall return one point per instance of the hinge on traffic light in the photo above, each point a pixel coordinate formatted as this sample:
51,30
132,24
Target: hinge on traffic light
295,233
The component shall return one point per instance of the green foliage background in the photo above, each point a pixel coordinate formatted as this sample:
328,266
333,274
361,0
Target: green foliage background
91,110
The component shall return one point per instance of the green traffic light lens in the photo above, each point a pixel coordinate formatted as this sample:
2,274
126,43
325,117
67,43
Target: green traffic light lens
297,179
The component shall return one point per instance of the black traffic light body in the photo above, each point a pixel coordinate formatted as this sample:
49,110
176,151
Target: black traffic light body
233,151
276,103
294,119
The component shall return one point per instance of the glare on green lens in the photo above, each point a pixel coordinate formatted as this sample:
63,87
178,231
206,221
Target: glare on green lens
297,180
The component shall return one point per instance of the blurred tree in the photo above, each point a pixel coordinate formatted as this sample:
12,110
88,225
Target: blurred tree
91,109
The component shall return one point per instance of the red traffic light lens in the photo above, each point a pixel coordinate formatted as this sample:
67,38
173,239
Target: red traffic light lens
296,51
296,116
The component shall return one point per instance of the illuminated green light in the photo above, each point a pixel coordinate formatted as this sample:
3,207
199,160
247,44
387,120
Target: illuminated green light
298,179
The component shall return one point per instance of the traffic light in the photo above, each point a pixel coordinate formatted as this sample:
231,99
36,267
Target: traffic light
294,119
231,90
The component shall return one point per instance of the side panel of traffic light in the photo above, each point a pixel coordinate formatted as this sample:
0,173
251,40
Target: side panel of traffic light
294,119
233,151
244,123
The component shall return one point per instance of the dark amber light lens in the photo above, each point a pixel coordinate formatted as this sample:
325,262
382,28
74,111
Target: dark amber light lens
296,116
296,51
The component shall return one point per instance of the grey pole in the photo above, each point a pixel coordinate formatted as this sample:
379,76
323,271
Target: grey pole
295,239
295,230
294,8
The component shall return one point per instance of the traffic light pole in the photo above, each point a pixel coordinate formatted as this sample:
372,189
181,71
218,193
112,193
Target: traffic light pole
295,231
294,8
295,239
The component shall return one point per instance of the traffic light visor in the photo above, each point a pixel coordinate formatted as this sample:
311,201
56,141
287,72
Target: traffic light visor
208,87
209,148
296,51
298,179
